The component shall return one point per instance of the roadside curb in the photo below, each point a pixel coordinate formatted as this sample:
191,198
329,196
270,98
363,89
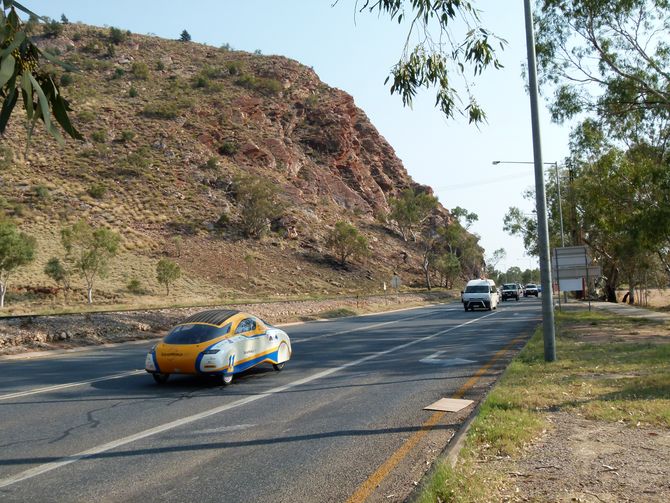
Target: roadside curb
450,453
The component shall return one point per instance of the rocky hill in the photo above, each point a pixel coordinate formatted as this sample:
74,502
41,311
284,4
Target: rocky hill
168,127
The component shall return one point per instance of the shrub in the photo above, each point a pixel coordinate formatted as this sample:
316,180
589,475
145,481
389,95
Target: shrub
117,35
140,70
41,192
86,116
99,136
160,66
160,110
135,286
92,47
118,73
201,81
226,47
258,202
66,79
132,92
223,221
139,159
234,67
268,86
258,52
247,81
127,135
228,148
97,190
345,241
53,28
76,36
111,51
212,163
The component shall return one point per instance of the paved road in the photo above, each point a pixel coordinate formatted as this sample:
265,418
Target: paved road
348,408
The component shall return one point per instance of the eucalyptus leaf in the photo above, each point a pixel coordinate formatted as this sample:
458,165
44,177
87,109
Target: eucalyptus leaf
6,70
27,88
46,115
7,108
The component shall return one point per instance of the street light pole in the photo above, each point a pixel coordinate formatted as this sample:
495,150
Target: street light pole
560,205
540,196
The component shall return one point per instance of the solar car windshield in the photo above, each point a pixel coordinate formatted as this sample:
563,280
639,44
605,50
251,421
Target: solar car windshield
195,333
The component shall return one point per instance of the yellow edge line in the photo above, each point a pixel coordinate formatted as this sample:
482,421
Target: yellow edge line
367,487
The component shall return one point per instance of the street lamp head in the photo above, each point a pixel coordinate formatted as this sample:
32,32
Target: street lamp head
495,162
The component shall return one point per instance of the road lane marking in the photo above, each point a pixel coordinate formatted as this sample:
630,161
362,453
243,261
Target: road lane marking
57,387
446,362
367,327
368,486
99,449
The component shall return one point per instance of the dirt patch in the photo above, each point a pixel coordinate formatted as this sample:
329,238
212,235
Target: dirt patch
36,333
591,461
652,333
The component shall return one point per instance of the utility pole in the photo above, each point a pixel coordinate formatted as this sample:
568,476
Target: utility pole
540,196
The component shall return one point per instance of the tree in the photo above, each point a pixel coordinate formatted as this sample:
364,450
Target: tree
609,59
59,272
465,218
345,241
64,19
185,36
90,250
16,249
493,261
410,210
22,74
449,267
258,202
167,272
439,54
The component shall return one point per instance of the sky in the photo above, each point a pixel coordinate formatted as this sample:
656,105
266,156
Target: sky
354,52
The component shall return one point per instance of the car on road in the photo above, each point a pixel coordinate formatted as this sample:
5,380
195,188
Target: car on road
531,289
218,343
510,291
480,293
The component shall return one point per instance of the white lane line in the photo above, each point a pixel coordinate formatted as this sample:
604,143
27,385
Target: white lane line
56,387
47,467
367,327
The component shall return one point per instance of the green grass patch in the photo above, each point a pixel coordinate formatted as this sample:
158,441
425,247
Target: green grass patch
599,374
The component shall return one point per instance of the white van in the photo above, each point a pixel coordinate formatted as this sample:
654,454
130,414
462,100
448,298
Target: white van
480,293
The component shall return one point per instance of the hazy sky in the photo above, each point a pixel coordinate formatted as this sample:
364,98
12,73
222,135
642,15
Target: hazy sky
354,52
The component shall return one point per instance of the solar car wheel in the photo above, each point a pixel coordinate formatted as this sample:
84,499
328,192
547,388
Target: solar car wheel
161,378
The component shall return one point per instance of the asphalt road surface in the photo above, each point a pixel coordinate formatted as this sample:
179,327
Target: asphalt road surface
344,421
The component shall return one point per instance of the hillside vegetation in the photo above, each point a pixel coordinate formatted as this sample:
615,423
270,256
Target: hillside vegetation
177,135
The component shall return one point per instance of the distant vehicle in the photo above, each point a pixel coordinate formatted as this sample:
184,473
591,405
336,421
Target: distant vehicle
481,293
218,343
531,289
510,291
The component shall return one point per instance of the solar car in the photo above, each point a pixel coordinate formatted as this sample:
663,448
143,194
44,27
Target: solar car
220,344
